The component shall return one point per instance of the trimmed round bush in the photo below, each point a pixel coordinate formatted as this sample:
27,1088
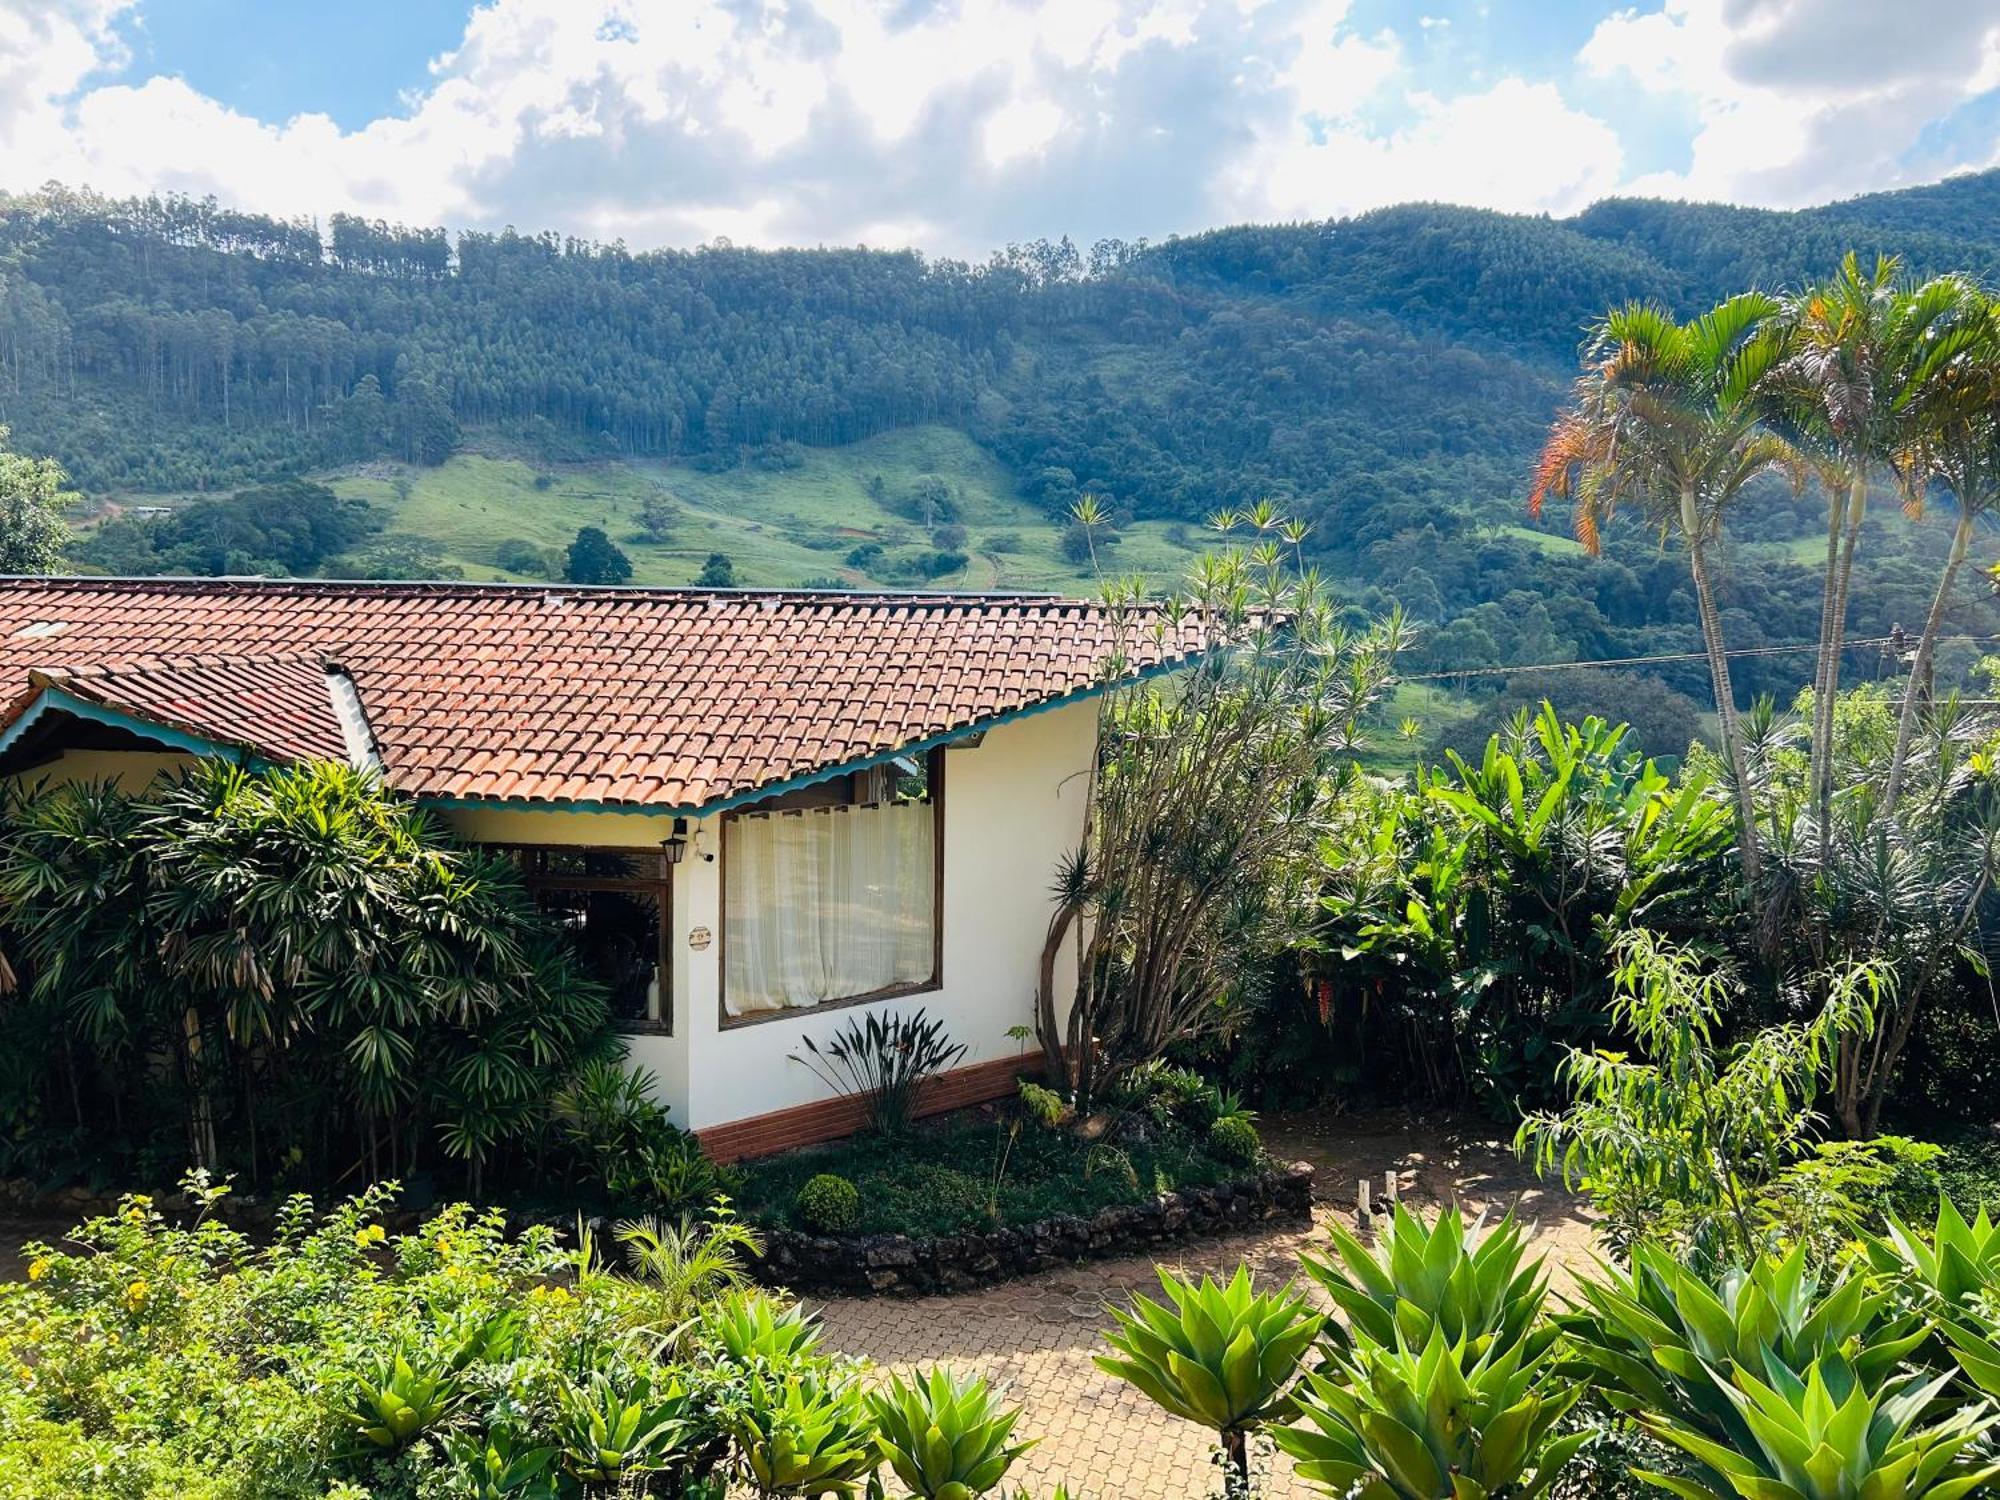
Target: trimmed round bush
829,1204
1233,1138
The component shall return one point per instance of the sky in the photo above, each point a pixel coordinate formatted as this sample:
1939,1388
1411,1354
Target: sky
957,126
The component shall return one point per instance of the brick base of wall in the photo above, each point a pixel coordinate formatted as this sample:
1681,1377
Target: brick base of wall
830,1119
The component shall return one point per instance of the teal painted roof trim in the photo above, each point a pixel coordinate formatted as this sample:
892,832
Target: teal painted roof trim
54,700
809,778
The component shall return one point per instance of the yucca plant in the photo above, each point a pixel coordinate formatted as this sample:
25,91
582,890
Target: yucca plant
945,1440
1827,1436
804,1433
752,1327
1223,1356
1468,1285
611,1432
1950,1269
1665,1339
1443,1423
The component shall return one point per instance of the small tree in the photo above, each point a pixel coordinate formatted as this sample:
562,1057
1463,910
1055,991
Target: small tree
1681,1140
594,558
719,572
659,514
1210,798
32,500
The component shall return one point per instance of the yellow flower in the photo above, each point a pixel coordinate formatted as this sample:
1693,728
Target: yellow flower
37,1269
136,1294
374,1234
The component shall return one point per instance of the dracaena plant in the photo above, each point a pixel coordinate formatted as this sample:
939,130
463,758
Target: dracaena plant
1828,1436
1664,1339
1436,1422
945,1440
1223,1355
1448,1278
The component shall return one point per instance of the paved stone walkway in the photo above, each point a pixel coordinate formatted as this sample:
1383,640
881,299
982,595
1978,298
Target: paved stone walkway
1036,1336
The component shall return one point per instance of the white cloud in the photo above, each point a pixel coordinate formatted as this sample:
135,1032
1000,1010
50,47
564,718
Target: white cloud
1799,101
960,124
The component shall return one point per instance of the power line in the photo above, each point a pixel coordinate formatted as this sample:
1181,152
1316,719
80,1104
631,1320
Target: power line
1668,656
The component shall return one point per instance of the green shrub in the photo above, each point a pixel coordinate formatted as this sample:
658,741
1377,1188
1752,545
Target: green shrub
945,1440
1234,1138
946,1196
829,1203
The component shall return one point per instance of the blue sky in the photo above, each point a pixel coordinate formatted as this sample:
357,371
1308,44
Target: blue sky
957,125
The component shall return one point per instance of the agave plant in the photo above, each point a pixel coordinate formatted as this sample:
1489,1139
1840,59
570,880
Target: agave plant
397,1400
611,1432
804,1433
943,1439
1951,1269
752,1327
1223,1356
1827,1436
1468,1285
496,1468
1663,1339
1446,1423
407,1393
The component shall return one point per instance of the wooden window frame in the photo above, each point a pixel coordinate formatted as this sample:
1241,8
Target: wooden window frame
935,777
662,889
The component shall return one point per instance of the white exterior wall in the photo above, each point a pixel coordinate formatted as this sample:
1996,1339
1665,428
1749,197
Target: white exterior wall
1013,806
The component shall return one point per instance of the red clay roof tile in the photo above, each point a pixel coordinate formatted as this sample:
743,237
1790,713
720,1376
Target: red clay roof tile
626,697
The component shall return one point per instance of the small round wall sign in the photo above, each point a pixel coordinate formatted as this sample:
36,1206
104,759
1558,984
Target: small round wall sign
699,938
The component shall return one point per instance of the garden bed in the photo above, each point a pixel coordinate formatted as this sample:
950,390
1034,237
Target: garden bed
920,1265
974,1199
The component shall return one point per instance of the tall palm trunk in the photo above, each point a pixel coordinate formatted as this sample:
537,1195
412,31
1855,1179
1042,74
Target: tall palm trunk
1920,664
1833,639
1725,697
1836,513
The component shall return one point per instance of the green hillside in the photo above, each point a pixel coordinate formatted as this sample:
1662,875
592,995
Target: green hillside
779,528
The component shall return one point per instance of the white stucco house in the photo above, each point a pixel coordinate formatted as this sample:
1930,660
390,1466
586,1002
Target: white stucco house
755,812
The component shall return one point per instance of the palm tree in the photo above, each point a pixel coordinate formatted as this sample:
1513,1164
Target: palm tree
1957,385
1665,417
1846,395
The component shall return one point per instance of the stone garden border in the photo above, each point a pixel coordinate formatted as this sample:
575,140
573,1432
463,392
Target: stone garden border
866,1265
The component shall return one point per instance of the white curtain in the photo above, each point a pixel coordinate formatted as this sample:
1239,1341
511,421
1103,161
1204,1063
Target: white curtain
827,904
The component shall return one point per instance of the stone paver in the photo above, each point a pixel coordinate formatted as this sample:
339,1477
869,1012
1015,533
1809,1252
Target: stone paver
1036,1336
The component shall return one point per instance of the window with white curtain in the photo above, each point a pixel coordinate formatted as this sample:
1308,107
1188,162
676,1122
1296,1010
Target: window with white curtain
832,903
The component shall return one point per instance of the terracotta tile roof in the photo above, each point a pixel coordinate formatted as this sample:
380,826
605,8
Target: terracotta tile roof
280,705
642,697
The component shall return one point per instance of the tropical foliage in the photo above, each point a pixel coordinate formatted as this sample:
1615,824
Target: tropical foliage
287,973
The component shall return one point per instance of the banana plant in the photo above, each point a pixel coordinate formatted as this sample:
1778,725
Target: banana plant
1445,1278
1442,1423
1829,1437
945,1440
1951,1268
1223,1356
751,1327
806,1433
610,1432
1665,1339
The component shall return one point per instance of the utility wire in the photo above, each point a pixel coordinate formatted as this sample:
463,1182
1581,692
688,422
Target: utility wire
1671,656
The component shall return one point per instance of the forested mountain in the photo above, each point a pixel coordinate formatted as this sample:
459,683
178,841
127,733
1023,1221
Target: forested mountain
1389,376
